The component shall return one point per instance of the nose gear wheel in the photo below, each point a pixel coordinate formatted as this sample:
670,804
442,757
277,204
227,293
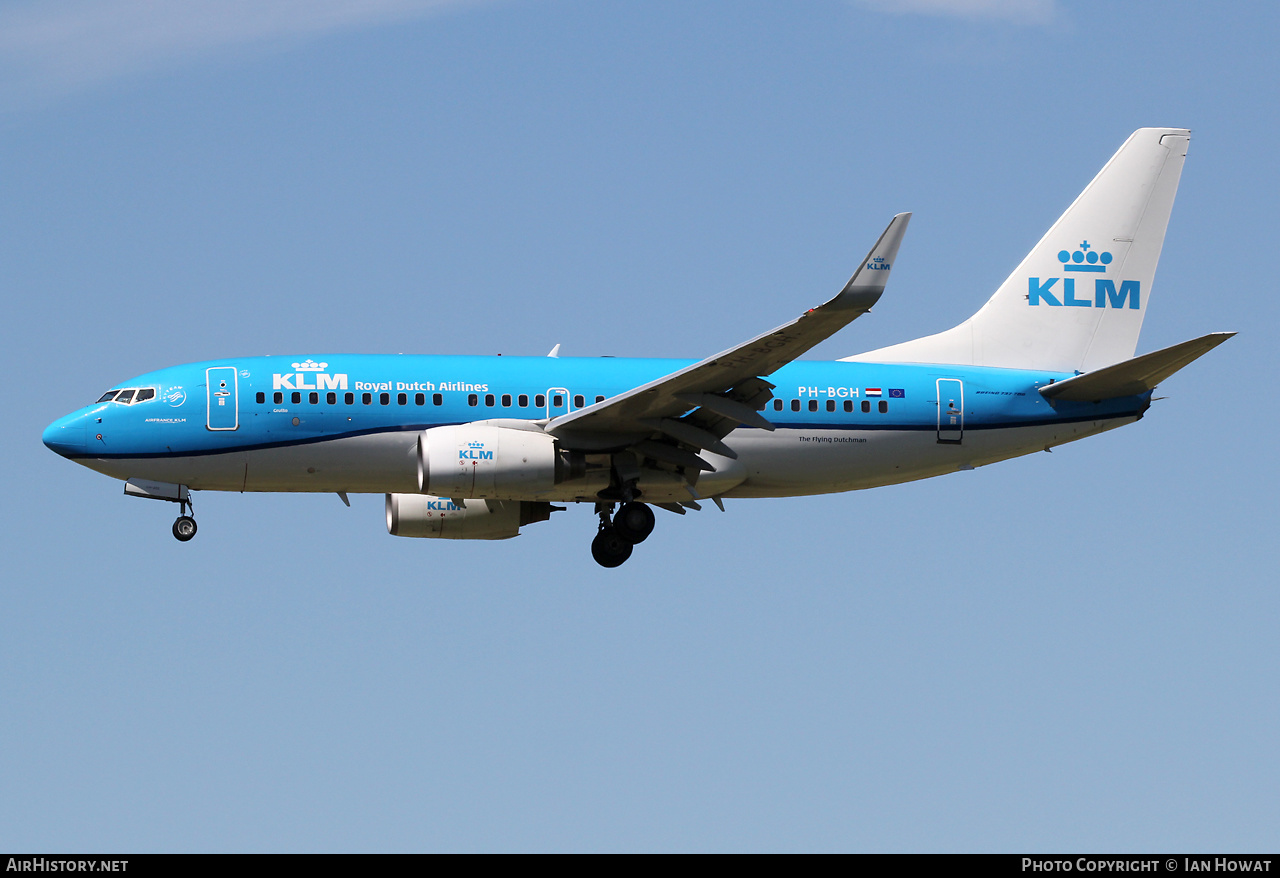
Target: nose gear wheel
185,526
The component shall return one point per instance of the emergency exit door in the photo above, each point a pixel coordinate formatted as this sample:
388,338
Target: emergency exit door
557,402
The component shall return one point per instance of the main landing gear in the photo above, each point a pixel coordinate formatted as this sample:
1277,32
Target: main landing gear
620,533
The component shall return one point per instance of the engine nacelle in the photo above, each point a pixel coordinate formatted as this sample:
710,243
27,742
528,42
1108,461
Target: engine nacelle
421,515
487,462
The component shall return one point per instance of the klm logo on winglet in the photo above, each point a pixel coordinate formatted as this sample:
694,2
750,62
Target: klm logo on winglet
1105,293
474,451
877,263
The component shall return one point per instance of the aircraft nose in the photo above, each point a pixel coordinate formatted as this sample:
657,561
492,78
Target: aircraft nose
65,436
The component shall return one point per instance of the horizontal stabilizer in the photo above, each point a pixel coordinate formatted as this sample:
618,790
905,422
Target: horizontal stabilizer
1135,376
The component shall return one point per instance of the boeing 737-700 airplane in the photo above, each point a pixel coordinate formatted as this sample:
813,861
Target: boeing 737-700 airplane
478,447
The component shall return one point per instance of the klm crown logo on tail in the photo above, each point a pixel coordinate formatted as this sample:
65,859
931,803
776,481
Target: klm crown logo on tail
1084,259
1105,294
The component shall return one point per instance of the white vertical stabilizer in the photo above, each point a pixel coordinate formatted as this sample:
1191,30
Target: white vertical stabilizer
1077,301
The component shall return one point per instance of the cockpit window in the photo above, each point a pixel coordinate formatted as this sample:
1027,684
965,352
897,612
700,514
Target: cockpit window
130,395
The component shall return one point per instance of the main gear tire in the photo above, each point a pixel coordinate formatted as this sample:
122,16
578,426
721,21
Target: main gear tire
609,548
634,522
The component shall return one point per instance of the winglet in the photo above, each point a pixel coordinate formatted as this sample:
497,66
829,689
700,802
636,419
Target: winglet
555,351
868,282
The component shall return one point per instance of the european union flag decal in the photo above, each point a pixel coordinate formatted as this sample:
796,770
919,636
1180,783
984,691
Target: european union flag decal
897,393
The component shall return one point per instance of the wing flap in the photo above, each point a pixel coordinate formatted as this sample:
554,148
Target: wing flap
726,407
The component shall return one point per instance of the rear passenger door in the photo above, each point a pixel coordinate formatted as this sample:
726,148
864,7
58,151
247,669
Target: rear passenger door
950,411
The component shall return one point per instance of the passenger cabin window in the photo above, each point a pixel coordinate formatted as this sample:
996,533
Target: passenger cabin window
331,398
523,400
506,400
848,405
261,397
277,397
866,406
813,405
831,405
419,399
384,398
884,406
437,399
473,399
313,397
402,399
777,405
557,401
296,397
108,396
349,398
540,400
366,398
488,399
599,398
147,393
795,405
579,401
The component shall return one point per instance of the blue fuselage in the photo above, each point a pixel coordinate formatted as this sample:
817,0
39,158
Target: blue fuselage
349,422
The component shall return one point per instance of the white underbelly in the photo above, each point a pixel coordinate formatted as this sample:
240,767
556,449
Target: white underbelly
789,463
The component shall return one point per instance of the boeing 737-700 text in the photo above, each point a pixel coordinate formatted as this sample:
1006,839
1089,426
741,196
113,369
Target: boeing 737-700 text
478,447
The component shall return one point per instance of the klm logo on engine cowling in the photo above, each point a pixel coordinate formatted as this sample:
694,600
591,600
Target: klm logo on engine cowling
474,451
1084,260
297,380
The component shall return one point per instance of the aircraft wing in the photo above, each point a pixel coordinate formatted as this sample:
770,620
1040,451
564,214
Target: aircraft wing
700,404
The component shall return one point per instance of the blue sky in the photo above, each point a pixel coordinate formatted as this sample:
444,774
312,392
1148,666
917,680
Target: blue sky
1072,651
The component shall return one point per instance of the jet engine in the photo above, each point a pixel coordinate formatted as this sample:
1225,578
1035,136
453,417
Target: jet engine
487,462
421,515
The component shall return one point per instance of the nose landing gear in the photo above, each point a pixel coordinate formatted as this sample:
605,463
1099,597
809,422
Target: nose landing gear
618,534
185,526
